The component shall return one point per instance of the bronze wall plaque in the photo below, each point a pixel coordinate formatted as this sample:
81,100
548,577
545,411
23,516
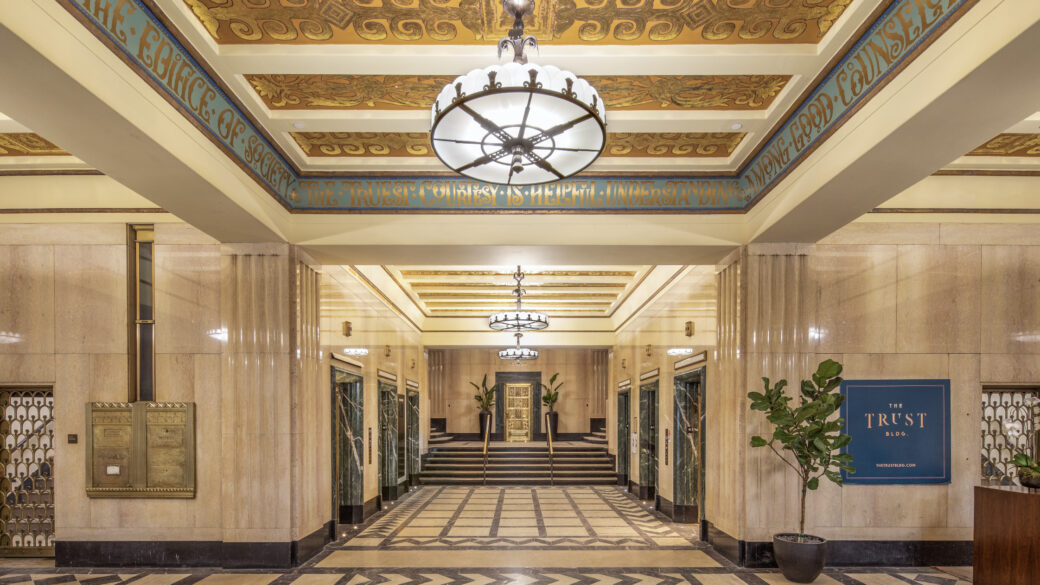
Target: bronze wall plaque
141,450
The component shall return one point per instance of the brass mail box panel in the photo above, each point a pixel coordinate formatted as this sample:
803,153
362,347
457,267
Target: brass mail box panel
140,450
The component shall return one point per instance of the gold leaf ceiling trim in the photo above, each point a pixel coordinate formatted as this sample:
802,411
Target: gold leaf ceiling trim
417,92
482,21
568,273
509,297
499,286
412,144
1010,145
28,144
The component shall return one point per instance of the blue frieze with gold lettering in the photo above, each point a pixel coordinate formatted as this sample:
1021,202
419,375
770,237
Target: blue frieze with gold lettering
900,431
131,29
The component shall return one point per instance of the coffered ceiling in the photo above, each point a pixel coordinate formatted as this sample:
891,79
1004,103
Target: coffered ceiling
691,86
560,291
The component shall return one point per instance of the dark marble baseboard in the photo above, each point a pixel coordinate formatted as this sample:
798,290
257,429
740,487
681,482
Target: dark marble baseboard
371,507
438,425
228,555
310,545
643,492
664,506
354,514
597,424
850,553
685,514
622,479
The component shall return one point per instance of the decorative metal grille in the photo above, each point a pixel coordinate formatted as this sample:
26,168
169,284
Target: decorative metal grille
27,512
1010,419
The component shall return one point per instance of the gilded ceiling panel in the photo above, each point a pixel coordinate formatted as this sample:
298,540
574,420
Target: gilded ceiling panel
482,21
417,92
642,144
28,144
1010,145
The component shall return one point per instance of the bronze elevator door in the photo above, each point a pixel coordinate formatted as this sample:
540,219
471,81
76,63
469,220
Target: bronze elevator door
518,412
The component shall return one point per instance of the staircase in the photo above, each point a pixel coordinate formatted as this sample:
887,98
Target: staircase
584,465
440,437
597,438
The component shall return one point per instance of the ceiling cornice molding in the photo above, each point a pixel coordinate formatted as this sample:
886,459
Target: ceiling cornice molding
225,121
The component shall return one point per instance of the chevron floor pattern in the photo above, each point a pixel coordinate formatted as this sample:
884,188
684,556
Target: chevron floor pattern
456,535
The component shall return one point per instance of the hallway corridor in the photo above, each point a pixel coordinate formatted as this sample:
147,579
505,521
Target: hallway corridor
451,535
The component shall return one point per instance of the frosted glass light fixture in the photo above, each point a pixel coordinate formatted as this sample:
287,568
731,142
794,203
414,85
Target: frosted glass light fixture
519,123
518,320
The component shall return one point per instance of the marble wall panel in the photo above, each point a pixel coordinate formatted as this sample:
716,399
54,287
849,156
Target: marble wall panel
857,298
79,234
866,233
462,366
1010,289
990,234
938,299
387,435
27,299
187,298
90,310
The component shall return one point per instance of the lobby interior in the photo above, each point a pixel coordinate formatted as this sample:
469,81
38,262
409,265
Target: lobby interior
244,305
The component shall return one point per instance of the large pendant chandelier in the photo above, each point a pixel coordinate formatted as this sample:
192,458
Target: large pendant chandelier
518,320
519,123
518,353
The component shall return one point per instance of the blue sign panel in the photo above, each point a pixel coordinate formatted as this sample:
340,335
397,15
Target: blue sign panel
900,431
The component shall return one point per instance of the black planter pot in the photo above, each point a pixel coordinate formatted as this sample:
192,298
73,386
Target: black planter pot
484,415
554,424
1032,481
800,562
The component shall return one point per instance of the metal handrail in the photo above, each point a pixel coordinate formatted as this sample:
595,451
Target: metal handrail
487,437
549,439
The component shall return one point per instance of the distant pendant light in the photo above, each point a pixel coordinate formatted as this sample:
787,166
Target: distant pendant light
519,123
518,320
518,353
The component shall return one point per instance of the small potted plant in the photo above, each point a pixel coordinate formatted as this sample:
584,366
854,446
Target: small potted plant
485,398
1028,468
812,440
550,394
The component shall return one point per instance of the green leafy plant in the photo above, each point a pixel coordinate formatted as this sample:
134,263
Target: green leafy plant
807,433
1027,466
485,396
551,392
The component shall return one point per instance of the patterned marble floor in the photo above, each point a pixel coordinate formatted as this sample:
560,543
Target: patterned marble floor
597,535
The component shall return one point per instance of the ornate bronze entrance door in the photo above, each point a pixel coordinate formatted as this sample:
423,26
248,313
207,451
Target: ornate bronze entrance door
518,412
27,512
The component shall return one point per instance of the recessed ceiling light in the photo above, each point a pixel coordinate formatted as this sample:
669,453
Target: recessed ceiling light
737,126
297,125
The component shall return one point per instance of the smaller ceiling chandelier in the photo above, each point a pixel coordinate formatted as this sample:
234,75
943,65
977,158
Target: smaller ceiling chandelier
518,353
518,124
518,320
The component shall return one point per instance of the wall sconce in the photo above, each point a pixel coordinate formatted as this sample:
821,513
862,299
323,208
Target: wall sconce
649,350
347,329
689,329
386,351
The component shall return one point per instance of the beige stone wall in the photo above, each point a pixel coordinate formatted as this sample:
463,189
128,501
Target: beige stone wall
260,461
894,301
463,366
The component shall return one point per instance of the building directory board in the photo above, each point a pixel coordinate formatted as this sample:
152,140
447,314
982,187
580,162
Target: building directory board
900,431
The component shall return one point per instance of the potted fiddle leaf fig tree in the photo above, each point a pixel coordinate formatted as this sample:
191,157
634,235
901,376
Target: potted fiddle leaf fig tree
808,438
550,394
485,398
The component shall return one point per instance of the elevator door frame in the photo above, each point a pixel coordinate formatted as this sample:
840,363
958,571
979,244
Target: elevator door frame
648,439
624,447
680,514
349,512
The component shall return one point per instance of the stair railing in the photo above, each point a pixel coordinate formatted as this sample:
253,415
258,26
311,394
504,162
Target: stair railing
549,440
487,437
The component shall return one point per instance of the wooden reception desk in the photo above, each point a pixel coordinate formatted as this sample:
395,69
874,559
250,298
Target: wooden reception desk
1007,536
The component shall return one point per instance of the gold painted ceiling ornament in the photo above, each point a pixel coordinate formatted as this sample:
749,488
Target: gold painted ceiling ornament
417,92
673,144
519,123
28,144
1026,145
477,21
355,144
